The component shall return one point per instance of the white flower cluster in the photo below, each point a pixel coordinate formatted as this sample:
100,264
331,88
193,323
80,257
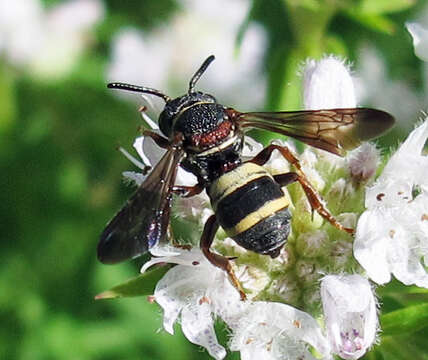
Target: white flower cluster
46,41
392,234
315,300
153,58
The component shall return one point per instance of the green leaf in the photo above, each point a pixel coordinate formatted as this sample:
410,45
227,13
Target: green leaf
405,321
384,6
402,348
141,285
395,287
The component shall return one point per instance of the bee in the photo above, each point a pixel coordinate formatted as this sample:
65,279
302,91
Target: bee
206,139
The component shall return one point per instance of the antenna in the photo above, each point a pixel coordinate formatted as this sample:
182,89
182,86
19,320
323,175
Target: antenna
136,88
200,71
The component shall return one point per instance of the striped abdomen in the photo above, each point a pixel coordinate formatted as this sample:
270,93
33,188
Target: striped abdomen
251,208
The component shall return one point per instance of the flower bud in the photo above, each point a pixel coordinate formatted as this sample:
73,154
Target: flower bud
327,84
350,314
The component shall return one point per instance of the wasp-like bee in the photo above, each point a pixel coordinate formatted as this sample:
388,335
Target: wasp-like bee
206,139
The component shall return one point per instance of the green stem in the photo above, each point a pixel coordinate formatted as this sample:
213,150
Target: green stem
309,21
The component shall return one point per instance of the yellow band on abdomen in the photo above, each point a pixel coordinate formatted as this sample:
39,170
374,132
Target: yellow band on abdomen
233,180
264,212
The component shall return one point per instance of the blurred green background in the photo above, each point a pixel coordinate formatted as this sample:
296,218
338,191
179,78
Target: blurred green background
59,126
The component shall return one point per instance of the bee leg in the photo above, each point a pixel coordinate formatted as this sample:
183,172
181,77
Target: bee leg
286,179
210,229
263,156
314,198
159,140
188,191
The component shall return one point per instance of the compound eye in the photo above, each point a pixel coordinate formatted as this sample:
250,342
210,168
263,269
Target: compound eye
165,123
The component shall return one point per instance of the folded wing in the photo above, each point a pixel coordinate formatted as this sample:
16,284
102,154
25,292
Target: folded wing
143,220
333,130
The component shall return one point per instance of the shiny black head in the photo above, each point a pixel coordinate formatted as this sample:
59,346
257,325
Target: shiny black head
177,106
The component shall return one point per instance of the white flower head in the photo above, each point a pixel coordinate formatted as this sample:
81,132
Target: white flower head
420,39
350,314
196,291
47,41
152,59
271,330
150,154
392,234
327,84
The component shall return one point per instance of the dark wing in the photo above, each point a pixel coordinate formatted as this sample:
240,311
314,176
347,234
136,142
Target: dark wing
144,219
334,130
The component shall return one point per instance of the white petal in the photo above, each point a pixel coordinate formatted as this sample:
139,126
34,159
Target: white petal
407,162
153,125
151,154
198,291
392,235
185,178
416,140
181,286
370,244
327,84
350,314
132,159
174,255
198,327
394,240
409,248
225,299
269,326
251,147
390,191
133,176
420,39
254,352
148,151
419,210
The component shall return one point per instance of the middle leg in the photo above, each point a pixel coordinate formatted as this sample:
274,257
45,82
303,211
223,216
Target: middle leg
210,229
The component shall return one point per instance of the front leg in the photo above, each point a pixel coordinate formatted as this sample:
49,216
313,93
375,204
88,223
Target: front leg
158,139
188,191
314,198
210,229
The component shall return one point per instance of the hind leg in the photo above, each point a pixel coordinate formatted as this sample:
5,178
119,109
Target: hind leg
210,229
314,198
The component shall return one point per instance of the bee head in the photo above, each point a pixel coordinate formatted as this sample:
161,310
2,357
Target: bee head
170,118
174,115
174,108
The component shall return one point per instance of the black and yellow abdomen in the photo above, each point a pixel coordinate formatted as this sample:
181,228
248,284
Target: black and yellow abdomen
251,208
